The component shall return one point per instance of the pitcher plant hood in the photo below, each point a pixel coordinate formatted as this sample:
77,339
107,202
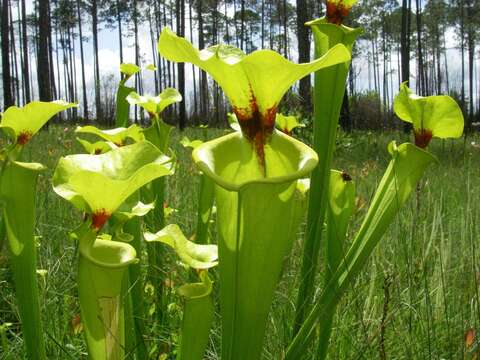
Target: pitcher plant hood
431,116
21,123
254,83
99,184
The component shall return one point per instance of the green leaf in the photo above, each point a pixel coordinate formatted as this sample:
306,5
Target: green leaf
118,136
129,69
341,204
126,212
151,67
101,183
286,123
154,105
206,196
96,148
187,143
22,123
123,107
194,255
439,114
197,319
404,171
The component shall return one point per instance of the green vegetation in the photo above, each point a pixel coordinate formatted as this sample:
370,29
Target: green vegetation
429,272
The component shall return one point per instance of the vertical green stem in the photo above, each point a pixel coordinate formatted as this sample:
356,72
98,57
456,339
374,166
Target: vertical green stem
18,190
134,227
328,97
158,134
205,203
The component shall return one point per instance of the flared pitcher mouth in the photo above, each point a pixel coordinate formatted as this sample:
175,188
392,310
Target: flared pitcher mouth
231,162
109,254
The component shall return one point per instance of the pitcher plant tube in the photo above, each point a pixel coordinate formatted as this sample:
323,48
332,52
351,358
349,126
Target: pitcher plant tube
98,185
328,96
405,169
18,181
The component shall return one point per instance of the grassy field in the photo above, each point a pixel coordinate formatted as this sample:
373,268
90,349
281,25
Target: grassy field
416,299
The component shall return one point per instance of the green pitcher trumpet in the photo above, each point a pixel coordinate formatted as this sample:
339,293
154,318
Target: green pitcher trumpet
328,97
18,181
255,173
99,185
255,216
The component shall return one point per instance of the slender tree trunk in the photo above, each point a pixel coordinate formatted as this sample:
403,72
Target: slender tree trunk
303,40
195,102
14,62
180,7
26,72
119,23
462,47
285,28
6,77
263,22
203,75
82,63
50,54
242,24
98,104
471,53
421,70
43,72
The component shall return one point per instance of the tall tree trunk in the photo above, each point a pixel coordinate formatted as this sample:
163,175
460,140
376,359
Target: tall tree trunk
285,28
43,72
119,23
98,104
82,63
195,102
14,62
303,40
180,7
203,75
421,70
471,53
50,54
242,24
6,77
26,72
404,41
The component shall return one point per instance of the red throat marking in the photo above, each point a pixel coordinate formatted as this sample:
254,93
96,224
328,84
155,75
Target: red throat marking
423,137
336,12
24,137
99,218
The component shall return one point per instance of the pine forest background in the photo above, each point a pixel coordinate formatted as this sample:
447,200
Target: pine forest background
71,49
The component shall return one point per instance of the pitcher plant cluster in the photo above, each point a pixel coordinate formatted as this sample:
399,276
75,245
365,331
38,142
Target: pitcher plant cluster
259,181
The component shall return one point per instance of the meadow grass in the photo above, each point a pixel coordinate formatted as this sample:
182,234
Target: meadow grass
416,298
